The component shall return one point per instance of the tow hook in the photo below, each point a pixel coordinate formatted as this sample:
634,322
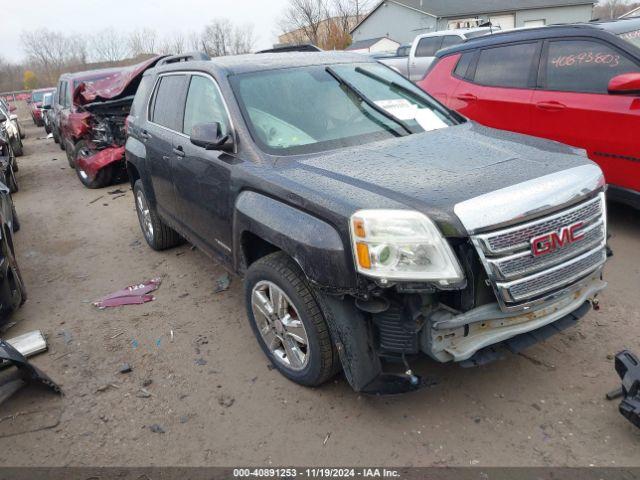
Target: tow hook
595,303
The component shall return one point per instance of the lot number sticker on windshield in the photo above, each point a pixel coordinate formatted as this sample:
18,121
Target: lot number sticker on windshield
405,110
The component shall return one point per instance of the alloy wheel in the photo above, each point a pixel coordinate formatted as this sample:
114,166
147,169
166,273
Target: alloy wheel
280,325
144,214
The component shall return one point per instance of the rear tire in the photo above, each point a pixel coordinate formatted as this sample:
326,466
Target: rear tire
310,362
158,234
12,183
56,135
16,222
70,150
18,150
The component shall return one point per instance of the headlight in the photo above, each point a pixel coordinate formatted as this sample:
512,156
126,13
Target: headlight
402,245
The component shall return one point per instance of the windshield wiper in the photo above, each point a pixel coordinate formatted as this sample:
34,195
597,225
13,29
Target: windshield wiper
363,98
397,87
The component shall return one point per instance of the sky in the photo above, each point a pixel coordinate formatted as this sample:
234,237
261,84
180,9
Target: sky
90,16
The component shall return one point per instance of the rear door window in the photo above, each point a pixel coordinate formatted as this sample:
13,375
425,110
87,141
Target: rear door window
584,66
508,66
141,96
463,65
204,105
168,103
428,46
67,95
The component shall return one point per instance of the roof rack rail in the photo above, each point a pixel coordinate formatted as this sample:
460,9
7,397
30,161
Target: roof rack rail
184,57
292,47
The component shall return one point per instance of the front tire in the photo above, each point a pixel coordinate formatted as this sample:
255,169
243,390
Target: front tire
158,234
102,178
288,321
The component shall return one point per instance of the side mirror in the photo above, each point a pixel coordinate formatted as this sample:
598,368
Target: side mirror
210,137
46,107
625,84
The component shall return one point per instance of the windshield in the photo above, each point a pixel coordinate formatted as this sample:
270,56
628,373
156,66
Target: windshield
37,96
632,37
311,109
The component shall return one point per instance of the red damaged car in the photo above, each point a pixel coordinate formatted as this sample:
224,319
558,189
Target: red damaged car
35,102
92,120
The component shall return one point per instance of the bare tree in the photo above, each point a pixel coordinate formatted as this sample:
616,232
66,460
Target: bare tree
10,76
611,9
142,42
221,37
303,19
173,44
326,23
51,52
108,45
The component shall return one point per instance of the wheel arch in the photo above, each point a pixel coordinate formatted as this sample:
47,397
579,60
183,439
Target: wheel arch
263,225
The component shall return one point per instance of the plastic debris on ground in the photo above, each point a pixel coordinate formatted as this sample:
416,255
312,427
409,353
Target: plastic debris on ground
222,283
131,295
13,380
628,368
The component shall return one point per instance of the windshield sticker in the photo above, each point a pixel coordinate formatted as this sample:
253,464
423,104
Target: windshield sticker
404,110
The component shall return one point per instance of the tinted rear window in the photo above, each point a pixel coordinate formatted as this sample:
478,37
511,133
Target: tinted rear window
463,64
508,66
168,102
427,47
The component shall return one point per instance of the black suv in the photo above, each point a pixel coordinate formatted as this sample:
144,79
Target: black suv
369,222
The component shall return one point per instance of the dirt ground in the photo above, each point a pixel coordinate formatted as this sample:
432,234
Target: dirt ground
210,388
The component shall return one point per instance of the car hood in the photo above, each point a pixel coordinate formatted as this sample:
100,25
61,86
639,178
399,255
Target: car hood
120,83
431,172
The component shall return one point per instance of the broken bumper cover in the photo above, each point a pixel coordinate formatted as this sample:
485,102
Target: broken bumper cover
628,368
28,372
459,337
92,164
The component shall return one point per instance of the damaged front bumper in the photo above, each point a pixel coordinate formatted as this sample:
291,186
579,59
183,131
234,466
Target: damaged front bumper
450,337
92,162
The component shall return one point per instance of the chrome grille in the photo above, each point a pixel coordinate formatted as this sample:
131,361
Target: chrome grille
555,278
518,237
519,278
524,263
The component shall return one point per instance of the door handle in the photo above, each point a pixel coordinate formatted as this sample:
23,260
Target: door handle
467,97
179,151
551,106
144,134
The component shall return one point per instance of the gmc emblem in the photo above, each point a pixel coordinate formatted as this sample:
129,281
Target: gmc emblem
550,242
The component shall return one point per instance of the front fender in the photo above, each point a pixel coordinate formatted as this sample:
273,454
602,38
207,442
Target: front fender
314,244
